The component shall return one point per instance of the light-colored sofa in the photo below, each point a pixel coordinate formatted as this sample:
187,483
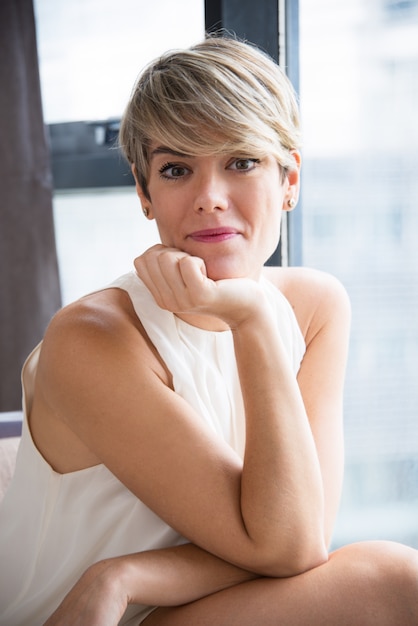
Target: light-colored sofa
8,451
10,428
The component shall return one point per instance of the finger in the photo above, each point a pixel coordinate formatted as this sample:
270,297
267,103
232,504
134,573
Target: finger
147,273
158,268
192,268
198,287
184,276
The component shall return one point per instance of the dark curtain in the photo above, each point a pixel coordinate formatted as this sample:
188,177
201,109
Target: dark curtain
29,281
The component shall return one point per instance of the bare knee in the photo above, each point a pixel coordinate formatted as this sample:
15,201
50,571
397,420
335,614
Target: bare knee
406,560
388,572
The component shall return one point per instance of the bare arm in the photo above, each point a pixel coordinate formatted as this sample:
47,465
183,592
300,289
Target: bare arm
323,309
168,577
281,489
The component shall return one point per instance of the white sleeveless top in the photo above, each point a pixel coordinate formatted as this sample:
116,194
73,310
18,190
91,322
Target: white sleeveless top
53,526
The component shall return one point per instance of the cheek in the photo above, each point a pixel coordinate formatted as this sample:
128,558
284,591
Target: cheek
165,232
168,223
270,232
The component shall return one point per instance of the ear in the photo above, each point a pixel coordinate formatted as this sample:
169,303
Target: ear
293,183
142,194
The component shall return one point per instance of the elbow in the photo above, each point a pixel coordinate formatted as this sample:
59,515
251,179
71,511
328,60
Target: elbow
306,560
293,561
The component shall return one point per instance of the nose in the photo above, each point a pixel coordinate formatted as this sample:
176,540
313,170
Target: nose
210,193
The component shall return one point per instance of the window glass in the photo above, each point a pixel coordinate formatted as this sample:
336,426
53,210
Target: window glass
359,98
90,52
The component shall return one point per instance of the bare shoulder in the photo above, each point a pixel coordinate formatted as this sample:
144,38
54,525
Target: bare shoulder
316,297
99,313
76,328
87,347
103,323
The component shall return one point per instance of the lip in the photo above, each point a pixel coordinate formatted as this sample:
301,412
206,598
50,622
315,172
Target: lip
214,235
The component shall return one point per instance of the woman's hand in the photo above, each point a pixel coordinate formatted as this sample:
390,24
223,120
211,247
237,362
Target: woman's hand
97,599
179,284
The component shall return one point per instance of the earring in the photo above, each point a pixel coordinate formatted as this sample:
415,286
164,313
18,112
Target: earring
291,203
145,211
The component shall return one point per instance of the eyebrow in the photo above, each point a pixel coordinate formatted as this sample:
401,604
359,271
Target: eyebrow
166,150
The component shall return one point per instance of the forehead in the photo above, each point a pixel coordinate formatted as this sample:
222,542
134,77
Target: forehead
160,149
208,148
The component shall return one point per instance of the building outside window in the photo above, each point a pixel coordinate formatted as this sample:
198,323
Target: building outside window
359,97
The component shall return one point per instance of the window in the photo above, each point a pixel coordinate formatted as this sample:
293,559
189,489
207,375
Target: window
90,52
359,97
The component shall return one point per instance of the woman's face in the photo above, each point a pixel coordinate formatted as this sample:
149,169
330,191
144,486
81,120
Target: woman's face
225,209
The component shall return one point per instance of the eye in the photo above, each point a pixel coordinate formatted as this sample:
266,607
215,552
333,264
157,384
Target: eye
243,164
173,171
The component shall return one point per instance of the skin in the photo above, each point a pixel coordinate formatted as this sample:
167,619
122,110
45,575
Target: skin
279,528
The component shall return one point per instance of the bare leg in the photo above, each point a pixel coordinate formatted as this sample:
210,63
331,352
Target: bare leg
365,584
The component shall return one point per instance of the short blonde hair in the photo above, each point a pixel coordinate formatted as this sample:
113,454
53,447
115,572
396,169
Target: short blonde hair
220,96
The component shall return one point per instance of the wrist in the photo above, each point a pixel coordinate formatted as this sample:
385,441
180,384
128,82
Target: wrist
247,306
257,319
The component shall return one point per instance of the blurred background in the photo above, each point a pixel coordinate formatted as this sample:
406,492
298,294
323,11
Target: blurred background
357,76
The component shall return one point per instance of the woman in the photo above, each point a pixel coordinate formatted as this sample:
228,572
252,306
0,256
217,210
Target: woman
183,442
